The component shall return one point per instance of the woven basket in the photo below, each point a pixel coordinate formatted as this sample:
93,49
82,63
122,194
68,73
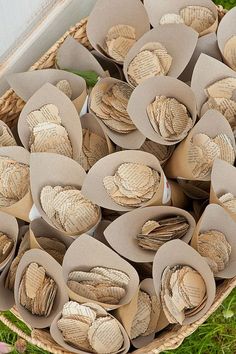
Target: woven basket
10,107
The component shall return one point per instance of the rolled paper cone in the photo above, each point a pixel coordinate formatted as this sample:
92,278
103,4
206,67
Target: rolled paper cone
132,140
211,124
178,197
116,12
222,183
21,208
49,94
226,30
53,270
58,337
76,259
203,77
121,233
175,253
94,189
181,49
146,92
27,83
217,218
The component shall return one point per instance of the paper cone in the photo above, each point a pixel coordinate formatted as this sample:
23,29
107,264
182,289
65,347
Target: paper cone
132,140
57,336
195,189
203,77
99,232
110,67
9,227
178,197
70,119
77,259
146,92
121,233
222,182
211,124
177,252
156,10
51,170
225,31
180,49
21,208
115,12
54,270
216,218
94,189
27,83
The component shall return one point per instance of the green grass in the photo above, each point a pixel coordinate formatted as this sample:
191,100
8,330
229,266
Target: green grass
226,4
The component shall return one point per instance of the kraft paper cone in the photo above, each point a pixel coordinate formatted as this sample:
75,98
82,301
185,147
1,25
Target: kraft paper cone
54,270
177,252
77,259
108,13
181,48
132,140
178,198
94,189
57,336
49,94
226,30
54,170
211,124
88,121
121,233
203,77
222,182
156,10
146,92
27,83
217,218
21,208
195,189
207,45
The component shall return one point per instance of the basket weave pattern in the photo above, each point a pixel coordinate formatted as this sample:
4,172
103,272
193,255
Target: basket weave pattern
10,108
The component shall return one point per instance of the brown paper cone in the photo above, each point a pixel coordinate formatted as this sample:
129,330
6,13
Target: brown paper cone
222,183
77,259
27,83
51,170
211,124
194,191
178,197
54,270
115,12
57,336
157,10
67,112
216,218
226,30
146,93
177,252
121,233
132,140
21,208
93,187
203,77
181,49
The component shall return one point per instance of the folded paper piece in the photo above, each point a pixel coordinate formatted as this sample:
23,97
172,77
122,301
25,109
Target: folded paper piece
57,196
155,53
200,15
125,233
108,101
50,123
214,239
223,189
163,109
88,328
134,166
125,23
39,273
183,281
106,279
27,83
209,139
226,36
6,136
